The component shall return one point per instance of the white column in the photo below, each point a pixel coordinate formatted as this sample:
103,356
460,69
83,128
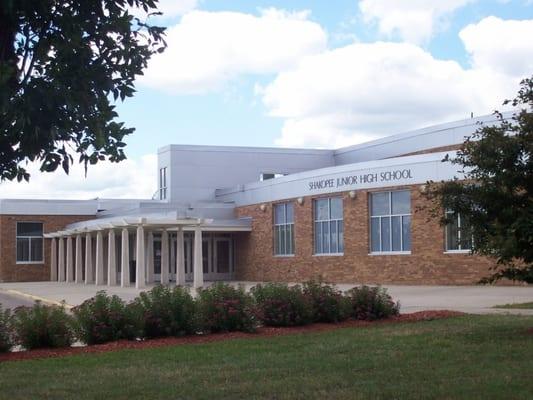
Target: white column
111,259
99,258
125,259
61,260
180,258
164,258
70,260
53,260
79,260
150,258
198,267
140,280
89,277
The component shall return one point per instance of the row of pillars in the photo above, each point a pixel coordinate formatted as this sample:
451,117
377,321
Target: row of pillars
67,263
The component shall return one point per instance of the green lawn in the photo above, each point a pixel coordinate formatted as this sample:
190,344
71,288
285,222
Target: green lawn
470,357
516,305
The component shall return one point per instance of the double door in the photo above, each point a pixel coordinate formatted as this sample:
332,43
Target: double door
217,257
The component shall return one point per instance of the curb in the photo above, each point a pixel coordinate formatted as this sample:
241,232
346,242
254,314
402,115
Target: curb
38,298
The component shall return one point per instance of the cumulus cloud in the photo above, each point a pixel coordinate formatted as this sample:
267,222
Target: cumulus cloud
414,21
127,179
503,46
361,91
367,90
208,49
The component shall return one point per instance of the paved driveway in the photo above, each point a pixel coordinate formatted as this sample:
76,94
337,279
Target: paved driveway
12,301
471,299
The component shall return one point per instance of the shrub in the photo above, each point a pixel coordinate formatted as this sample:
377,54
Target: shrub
223,308
370,303
281,305
42,326
6,334
103,319
328,303
165,312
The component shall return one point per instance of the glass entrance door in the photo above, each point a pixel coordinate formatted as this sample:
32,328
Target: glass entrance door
223,258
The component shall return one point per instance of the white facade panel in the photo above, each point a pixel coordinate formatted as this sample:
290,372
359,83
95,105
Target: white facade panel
366,175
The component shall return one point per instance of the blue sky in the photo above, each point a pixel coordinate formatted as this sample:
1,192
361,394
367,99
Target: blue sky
308,74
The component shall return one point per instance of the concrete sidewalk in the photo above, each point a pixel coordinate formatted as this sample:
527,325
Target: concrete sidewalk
470,299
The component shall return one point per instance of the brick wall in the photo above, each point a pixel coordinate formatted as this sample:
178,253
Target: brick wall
10,271
427,263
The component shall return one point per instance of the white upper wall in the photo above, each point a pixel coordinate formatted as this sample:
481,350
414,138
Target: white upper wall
430,137
409,170
195,172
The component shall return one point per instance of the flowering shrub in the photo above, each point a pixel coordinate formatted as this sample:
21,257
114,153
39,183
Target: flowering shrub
42,326
103,319
5,330
281,305
223,308
165,312
370,303
328,303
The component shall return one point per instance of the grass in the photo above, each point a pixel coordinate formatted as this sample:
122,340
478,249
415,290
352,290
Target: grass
469,357
516,305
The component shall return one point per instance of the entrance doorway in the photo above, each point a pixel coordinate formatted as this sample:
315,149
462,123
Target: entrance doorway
217,256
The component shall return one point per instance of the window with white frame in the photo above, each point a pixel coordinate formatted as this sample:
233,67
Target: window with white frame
29,242
458,232
329,226
163,183
390,221
284,229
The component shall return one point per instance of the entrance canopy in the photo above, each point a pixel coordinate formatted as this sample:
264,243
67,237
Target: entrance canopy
89,251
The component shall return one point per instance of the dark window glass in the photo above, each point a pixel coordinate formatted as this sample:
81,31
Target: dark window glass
390,223
29,242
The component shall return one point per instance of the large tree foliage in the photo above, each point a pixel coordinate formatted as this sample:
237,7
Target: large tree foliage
63,63
497,193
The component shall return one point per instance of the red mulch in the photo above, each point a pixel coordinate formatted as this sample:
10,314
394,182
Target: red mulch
266,331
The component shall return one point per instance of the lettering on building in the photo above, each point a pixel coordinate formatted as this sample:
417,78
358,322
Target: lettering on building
361,179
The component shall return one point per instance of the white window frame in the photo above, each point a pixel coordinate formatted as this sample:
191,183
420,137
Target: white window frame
287,227
163,183
459,250
17,237
340,244
389,216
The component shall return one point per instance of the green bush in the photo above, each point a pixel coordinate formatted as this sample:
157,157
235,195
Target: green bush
370,303
6,335
328,303
42,326
165,312
104,319
281,305
223,308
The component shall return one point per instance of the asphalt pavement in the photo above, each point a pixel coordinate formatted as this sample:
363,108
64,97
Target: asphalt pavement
12,301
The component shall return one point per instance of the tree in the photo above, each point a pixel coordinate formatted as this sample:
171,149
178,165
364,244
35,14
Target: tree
496,194
63,63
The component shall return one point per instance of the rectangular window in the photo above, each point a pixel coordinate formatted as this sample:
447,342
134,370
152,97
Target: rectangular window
284,229
390,222
329,226
29,242
163,183
458,233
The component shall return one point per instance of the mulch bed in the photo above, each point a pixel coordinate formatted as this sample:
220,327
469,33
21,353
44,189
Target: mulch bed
266,331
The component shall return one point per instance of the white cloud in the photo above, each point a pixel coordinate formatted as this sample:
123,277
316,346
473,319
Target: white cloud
367,90
208,49
414,21
503,46
127,179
